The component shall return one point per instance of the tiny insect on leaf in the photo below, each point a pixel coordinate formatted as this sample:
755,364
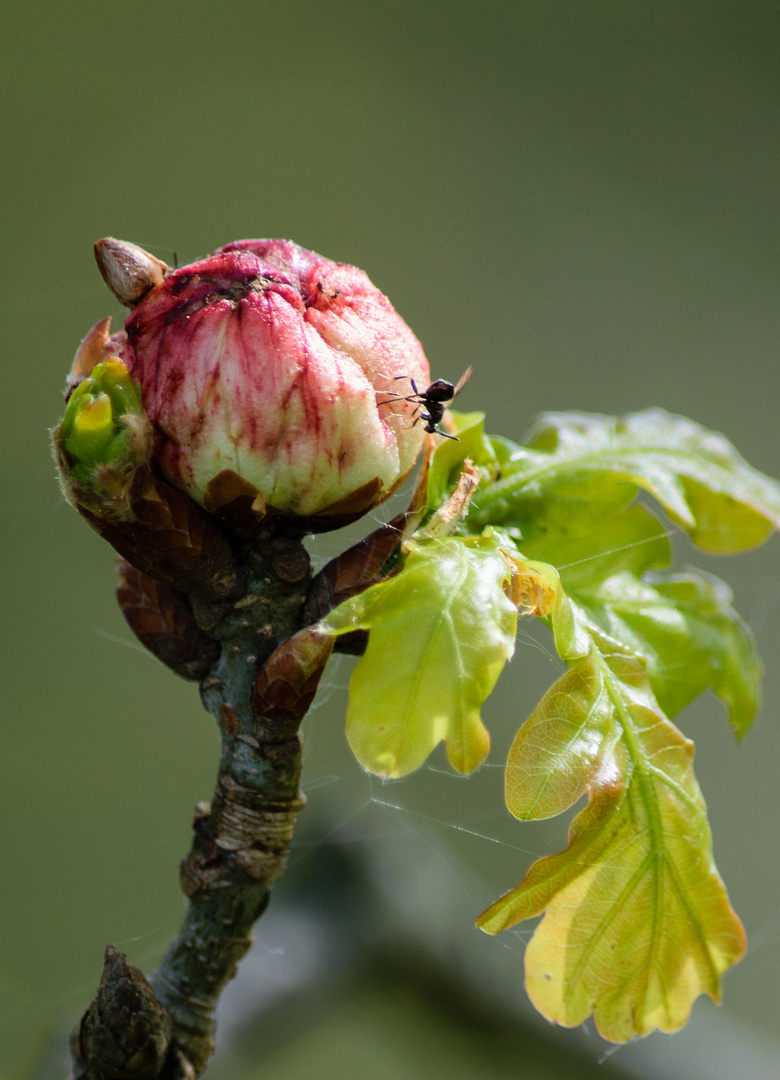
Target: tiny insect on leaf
435,400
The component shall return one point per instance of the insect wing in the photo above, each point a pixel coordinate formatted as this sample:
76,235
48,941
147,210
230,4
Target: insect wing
463,380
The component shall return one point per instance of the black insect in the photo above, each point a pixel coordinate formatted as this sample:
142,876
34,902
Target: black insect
435,399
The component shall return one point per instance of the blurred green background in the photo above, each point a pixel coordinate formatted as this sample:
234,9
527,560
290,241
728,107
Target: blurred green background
579,199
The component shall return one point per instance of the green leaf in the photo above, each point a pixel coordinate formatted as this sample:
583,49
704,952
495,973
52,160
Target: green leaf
691,638
573,460
441,632
637,922
682,625
447,459
591,546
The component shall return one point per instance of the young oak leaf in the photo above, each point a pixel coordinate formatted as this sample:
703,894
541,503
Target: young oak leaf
637,922
683,625
704,485
591,549
591,546
440,633
691,638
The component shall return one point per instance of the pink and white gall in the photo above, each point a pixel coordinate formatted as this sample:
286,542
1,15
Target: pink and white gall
272,362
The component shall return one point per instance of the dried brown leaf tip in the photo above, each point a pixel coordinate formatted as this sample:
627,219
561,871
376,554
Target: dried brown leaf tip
447,516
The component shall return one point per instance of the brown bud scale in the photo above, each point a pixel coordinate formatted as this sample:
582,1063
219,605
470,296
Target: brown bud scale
161,618
125,1033
171,539
288,681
